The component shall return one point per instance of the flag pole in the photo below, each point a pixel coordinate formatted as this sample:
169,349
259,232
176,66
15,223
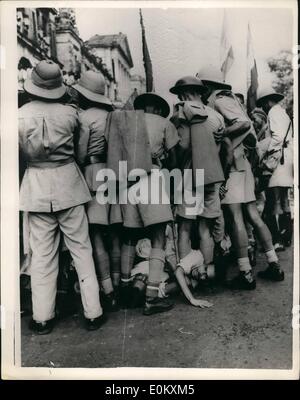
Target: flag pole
146,57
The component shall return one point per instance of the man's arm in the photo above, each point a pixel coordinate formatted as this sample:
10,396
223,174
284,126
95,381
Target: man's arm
182,281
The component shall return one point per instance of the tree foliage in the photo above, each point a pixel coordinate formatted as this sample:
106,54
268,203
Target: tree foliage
282,67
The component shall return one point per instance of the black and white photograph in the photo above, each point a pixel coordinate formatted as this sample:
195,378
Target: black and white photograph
149,189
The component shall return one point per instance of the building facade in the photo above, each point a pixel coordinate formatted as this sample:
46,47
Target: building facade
68,42
115,54
36,32
138,83
52,34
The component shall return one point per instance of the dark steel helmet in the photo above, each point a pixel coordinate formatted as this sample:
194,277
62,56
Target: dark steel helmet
268,93
141,100
188,82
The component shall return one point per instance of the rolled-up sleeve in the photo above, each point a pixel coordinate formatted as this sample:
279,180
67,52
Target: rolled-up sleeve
278,124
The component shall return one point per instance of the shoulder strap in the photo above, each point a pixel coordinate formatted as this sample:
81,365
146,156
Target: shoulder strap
288,129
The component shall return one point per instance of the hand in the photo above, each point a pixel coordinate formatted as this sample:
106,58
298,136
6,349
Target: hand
200,303
223,190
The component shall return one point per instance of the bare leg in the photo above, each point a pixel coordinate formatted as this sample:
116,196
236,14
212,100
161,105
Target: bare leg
184,236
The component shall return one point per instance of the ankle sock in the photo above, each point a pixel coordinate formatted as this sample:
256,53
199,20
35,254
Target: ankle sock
244,264
271,256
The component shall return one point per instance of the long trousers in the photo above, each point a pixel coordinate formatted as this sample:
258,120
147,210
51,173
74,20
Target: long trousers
45,231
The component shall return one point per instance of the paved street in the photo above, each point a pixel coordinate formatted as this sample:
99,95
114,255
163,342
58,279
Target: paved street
242,330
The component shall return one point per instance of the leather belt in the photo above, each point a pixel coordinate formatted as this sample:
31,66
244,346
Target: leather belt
50,164
95,159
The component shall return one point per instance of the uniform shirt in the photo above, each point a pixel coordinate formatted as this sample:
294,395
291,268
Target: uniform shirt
92,139
279,123
227,104
182,118
46,132
162,135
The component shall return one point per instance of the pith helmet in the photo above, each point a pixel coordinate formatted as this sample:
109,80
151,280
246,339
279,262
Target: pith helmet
92,86
212,75
268,94
46,81
188,82
142,99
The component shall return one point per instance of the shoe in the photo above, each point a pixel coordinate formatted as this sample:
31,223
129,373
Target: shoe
287,243
272,273
242,282
157,305
110,302
286,238
125,296
95,323
279,247
41,328
138,291
221,265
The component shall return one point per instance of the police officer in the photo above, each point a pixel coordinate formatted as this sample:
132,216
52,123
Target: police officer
54,192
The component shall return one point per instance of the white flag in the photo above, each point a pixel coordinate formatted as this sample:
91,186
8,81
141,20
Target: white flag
227,56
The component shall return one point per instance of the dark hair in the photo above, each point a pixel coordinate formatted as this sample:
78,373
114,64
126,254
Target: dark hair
85,103
241,97
24,63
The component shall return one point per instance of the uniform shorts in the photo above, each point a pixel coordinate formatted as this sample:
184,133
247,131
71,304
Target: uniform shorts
240,186
277,201
142,212
208,204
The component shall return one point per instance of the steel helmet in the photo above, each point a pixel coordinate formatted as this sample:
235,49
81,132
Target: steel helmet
268,93
188,82
211,74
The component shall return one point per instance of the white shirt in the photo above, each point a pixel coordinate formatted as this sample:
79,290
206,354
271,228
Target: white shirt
278,122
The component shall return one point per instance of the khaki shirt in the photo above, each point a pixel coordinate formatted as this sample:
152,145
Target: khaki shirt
279,124
46,134
162,134
226,103
92,139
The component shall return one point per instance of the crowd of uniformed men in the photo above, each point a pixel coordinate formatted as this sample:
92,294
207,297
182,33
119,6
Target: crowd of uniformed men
140,253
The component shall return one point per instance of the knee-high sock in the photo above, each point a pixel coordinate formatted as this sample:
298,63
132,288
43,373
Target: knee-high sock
285,223
272,224
264,236
127,261
102,265
156,266
115,263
